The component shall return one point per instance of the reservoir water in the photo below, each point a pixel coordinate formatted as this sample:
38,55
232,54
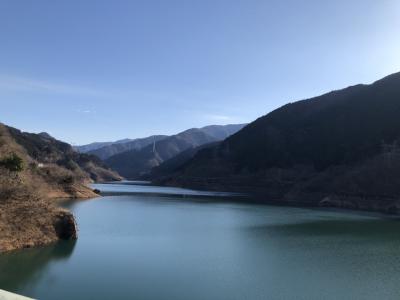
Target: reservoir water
145,242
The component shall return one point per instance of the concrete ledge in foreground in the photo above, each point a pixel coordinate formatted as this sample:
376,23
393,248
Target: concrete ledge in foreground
4,295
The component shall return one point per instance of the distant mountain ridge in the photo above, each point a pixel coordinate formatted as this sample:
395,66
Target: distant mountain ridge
98,145
136,162
106,150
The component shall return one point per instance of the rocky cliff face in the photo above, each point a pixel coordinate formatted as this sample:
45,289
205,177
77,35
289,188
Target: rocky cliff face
34,171
33,222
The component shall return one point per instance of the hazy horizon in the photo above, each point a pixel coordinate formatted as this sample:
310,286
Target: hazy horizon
93,71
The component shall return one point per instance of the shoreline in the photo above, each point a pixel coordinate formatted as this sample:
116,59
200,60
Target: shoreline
54,222
246,197
36,222
382,205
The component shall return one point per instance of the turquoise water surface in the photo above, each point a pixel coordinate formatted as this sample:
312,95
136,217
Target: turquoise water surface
146,242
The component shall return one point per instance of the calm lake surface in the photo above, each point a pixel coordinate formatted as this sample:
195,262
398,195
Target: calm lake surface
145,242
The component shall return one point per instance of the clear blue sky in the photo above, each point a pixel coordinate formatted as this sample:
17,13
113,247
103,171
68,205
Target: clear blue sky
92,70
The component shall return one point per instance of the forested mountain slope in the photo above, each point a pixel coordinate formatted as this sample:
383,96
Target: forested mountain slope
341,145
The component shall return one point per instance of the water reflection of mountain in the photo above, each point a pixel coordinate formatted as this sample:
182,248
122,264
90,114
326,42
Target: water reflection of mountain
21,268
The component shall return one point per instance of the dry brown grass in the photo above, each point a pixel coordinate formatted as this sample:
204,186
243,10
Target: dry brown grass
28,214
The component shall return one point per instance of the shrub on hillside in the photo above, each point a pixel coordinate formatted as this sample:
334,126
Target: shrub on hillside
12,163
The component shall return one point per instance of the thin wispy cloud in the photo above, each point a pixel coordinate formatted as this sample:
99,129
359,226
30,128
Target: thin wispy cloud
32,85
23,84
85,111
219,118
